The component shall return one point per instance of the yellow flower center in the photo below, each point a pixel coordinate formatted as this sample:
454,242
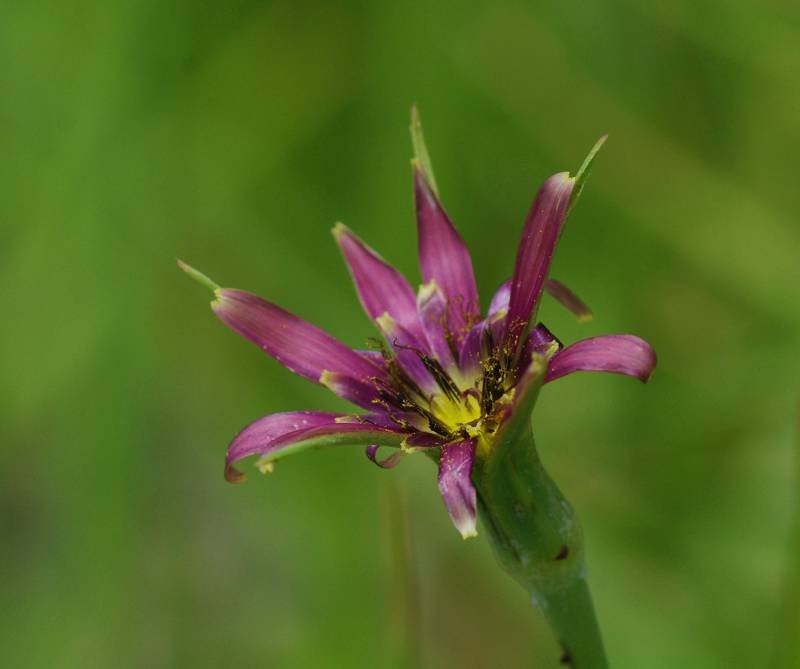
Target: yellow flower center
459,415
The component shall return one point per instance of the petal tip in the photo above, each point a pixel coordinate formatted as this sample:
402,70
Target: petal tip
468,532
648,374
385,322
265,466
427,290
233,475
327,378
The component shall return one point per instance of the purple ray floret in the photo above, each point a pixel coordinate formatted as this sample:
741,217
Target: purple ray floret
621,354
539,237
443,256
455,483
444,381
299,346
380,287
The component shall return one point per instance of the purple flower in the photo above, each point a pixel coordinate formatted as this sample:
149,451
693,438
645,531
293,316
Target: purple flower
445,380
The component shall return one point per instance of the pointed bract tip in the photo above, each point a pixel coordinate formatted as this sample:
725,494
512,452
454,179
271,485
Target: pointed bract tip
583,172
233,475
599,143
197,275
422,160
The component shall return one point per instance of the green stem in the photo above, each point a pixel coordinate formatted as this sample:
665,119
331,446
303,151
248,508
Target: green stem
538,540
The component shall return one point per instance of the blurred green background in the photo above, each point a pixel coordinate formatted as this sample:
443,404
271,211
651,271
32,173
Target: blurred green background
234,135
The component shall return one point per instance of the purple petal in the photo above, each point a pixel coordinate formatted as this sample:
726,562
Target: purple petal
364,395
541,342
386,463
472,348
375,357
281,434
476,341
299,346
455,484
395,420
500,299
408,350
423,440
381,288
444,258
257,437
539,237
432,307
471,354
482,338
620,354
568,299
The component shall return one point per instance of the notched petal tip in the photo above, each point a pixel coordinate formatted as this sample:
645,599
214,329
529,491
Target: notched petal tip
197,275
456,462
233,475
470,533
427,291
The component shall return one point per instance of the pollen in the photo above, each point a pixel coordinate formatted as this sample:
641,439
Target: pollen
457,415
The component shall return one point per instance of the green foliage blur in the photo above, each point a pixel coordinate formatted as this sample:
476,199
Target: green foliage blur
234,135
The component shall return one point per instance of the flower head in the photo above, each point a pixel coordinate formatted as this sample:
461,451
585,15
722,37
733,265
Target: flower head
444,379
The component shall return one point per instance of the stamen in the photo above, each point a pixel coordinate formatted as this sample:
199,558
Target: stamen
397,375
442,378
435,425
492,387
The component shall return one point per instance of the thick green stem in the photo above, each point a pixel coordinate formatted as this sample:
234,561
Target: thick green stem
538,540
